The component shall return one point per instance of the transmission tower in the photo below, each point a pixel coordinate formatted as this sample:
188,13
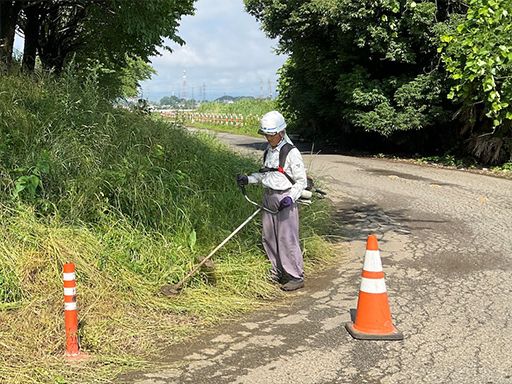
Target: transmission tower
184,86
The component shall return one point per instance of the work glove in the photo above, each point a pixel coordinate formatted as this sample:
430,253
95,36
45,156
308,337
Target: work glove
242,180
285,203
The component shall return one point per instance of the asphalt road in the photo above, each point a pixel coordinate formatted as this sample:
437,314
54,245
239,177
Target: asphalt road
446,246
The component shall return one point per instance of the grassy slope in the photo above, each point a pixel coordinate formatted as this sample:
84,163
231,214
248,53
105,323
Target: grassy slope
245,107
122,196
251,109
247,130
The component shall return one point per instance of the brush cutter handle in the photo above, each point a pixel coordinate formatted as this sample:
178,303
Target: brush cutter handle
242,187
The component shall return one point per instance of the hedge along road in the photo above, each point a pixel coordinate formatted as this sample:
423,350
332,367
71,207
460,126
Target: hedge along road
446,246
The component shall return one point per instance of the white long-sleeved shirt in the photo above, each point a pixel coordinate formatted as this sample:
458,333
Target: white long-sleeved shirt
293,166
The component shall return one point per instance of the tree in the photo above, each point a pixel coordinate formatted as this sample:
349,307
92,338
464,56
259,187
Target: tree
117,33
477,52
360,66
108,36
31,28
170,100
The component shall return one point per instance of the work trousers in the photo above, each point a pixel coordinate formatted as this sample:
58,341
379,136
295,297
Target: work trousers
281,236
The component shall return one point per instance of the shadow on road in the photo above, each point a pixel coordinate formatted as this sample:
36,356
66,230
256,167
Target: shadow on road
355,221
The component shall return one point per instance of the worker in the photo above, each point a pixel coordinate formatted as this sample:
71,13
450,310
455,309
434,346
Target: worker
283,185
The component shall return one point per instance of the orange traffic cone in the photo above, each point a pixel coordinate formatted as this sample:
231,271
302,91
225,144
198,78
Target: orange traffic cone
373,317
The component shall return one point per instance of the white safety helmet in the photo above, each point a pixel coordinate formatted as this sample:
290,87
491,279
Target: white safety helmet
271,123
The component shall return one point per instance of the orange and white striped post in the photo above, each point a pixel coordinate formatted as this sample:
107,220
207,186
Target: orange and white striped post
70,310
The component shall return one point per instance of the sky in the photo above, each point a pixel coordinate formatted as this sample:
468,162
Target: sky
225,53
225,50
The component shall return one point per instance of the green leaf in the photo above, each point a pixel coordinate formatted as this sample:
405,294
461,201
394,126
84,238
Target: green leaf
27,183
60,380
446,38
192,238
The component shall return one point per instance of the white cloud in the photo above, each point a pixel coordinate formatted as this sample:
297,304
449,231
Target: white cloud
185,56
225,50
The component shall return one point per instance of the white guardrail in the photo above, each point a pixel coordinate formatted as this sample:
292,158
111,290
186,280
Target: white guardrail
213,118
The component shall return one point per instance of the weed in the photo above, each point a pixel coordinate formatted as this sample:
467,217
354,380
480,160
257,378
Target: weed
449,161
505,168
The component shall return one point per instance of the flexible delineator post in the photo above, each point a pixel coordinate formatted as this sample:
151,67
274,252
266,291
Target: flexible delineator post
70,310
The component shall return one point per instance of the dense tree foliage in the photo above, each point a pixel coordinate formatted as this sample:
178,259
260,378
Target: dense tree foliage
114,38
178,102
478,56
367,66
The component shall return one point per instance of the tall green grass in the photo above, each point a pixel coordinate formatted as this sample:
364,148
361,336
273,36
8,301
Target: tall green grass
132,202
245,107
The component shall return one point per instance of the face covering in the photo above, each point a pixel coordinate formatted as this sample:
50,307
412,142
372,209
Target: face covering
287,138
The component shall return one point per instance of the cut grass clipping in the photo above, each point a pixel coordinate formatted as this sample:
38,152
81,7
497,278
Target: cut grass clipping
133,202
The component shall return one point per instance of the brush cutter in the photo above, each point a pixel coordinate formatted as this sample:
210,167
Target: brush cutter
305,197
174,289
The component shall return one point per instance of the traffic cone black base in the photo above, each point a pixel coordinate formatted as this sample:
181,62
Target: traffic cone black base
395,335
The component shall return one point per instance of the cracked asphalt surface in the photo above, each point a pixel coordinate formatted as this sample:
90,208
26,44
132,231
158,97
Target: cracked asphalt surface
446,246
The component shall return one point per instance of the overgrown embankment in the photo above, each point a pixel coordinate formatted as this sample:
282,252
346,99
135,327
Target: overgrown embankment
133,202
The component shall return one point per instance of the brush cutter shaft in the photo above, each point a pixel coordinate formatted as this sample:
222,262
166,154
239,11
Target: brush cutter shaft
261,206
233,233
196,268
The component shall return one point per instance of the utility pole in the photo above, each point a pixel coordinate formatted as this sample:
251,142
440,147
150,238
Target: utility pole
269,89
261,89
204,92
